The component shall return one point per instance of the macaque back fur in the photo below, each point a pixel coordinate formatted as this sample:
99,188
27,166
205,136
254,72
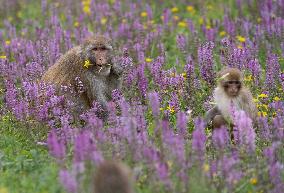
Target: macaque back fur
113,177
97,85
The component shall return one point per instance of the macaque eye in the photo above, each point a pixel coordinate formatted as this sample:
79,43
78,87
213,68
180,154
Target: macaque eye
226,85
233,82
103,48
95,48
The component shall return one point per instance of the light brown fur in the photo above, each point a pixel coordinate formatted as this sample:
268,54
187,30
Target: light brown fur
243,100
113,177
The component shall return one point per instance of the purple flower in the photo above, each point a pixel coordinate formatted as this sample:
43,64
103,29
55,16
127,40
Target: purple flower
272,71
244,133
155,104
162,172
182,123
68,181
181,42
255,69
199,139
142,81
56,147
189,68
205,60
220,138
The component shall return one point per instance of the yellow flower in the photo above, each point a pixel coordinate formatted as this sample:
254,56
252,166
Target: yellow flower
19,14
103,20
255,100
161,109
87,10
174,10
201,21
182,24
276,98
176,17
241,39
7,42
262,95
87,64
184,75
265,106
143,14
3,190
57,4
258,20
274,114
171,109
209,7
170,164
86,6
208,27
76,24
206,168
248,78
148,59
222,33
86,2
190,8
262,113
3,57
240,47
173,74
253,181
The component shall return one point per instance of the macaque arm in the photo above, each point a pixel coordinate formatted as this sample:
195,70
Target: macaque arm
116,68
95,93
249,105
211,114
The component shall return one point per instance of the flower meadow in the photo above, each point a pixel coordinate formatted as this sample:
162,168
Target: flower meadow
171,53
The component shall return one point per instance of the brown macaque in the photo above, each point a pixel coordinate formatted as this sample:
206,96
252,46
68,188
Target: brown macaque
230,92
113,177
90,71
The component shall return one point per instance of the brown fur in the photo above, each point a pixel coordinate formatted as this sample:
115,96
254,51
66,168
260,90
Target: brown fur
230,74
113,177
97,83
218,121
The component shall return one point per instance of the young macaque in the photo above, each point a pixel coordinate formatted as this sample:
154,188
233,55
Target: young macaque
229,93
90,71
113,177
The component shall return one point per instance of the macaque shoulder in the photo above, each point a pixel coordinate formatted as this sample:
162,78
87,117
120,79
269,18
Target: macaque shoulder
246,95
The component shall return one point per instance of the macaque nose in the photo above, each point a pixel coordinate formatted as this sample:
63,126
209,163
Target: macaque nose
101,61
234,91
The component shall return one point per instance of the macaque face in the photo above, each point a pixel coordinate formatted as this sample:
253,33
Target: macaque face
232,87
99,53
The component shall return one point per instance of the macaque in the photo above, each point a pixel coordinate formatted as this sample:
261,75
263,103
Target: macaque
113,177
90,71
229,93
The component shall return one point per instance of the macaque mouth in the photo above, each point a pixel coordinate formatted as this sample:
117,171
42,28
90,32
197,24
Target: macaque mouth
103,66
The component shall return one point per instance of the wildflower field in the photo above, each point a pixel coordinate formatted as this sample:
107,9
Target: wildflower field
171,52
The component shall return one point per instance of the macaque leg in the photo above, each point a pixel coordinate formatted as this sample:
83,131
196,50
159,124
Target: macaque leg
218,121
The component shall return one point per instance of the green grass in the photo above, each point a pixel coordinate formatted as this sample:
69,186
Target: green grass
25,166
